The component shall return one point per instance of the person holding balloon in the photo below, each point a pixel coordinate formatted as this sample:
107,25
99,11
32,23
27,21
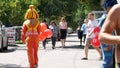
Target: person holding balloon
92,23
45,33
30,35
45,27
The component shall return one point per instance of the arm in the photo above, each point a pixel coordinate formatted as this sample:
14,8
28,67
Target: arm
23,34
110,25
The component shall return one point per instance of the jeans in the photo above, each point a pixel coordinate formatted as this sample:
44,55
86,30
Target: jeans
107,56
53,41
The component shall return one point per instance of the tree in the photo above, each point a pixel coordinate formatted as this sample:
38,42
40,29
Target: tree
54,9
85,7
12,11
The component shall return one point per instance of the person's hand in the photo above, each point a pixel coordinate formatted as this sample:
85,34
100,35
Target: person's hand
108,48
23,42
89,34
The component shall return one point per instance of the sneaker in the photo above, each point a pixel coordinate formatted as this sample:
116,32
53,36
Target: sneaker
84,58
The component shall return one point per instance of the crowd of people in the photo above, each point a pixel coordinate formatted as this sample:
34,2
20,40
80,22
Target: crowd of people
108,36
109,31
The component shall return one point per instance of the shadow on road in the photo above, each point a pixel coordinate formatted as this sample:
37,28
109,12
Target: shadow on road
76,47
72,41
9,50
70,35
11,66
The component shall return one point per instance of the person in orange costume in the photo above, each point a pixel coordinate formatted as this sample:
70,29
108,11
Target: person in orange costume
30,35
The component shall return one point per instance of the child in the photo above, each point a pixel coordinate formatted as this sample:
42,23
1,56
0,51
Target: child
55,31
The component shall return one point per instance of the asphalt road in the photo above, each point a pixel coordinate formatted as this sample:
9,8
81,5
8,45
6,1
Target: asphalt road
68,57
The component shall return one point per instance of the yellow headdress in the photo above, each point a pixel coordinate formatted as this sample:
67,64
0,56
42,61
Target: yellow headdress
31,13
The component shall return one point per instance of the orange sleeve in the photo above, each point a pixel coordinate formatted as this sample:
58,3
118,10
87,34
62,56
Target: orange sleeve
39,28
23,34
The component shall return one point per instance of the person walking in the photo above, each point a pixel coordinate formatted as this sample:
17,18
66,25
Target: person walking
63,31
44,41
55,32
92,23
30,35
80,34
83,28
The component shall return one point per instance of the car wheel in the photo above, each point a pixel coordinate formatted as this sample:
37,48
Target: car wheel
1,46
6,48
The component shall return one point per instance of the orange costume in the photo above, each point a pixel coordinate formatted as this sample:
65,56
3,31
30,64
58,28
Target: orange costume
30,35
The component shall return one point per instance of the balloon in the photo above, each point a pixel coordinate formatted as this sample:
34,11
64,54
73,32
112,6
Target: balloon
43,27
48,33
95,42
96,30
42,37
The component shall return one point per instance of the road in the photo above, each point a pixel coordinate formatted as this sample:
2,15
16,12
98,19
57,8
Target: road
68,57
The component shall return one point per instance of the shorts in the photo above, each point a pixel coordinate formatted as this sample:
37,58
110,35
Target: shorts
87,41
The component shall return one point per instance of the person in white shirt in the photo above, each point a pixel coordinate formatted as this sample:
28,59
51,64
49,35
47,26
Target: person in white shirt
92,23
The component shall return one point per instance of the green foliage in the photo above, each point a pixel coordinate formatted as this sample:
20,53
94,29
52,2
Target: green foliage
12,11
85,7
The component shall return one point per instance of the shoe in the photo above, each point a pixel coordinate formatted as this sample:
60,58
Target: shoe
36,65
84,58
44,47
100,58
53,47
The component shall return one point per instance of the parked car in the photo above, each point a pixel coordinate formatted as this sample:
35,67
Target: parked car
3,40
70,30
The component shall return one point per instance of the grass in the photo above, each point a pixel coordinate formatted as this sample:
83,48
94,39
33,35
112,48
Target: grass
18,42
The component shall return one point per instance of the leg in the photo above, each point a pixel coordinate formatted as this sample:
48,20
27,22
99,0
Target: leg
64,40
53,42
86,49
107,56
44,44
30,54
84,38
80,41
36,45
98,50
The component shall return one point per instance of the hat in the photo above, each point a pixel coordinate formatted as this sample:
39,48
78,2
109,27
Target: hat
31,13
109,3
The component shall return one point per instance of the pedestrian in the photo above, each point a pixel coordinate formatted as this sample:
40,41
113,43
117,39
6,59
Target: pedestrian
112,23
30,35
63,31
55,32
44,42
80,34
107,50
92,23
83,28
